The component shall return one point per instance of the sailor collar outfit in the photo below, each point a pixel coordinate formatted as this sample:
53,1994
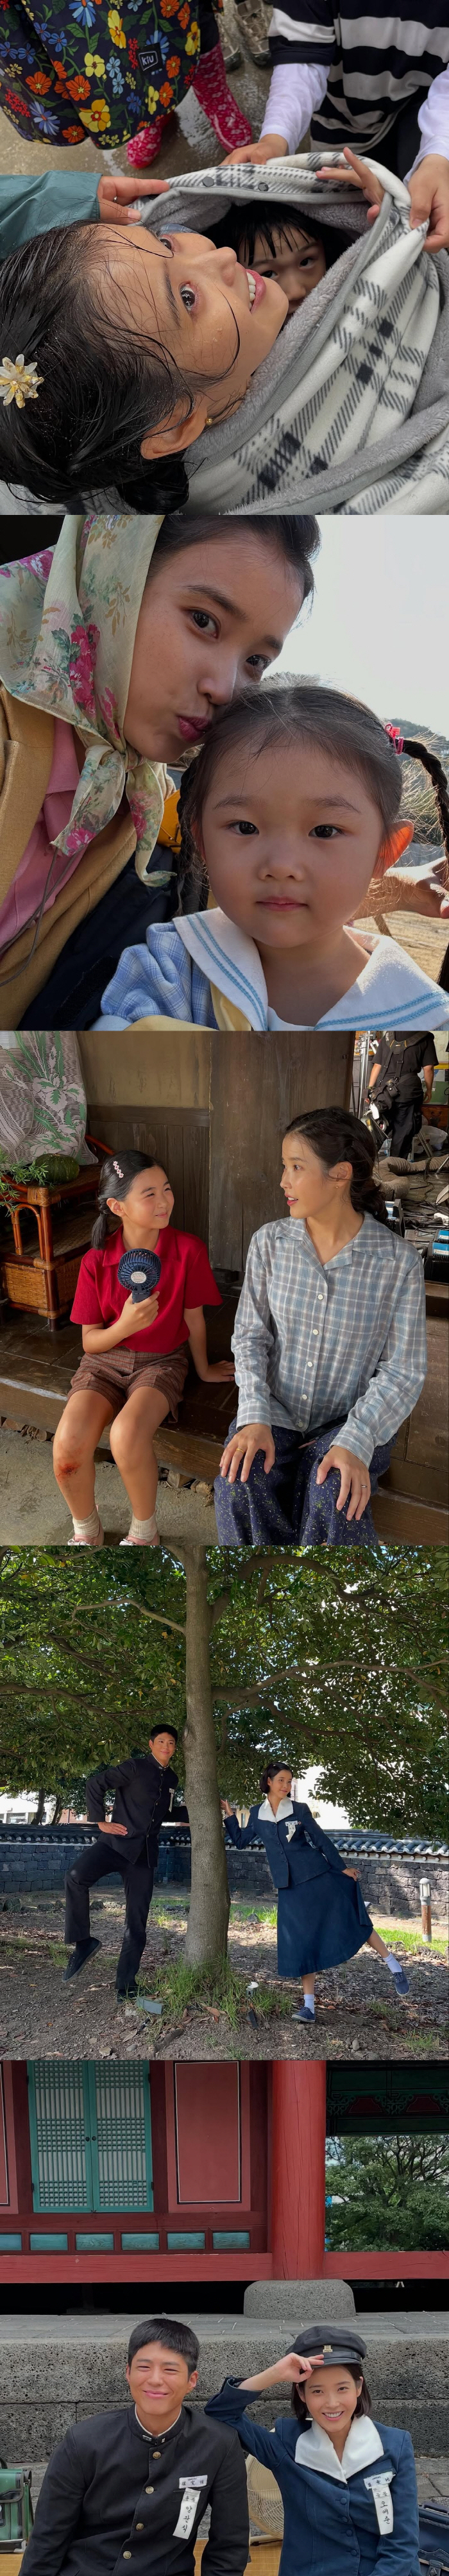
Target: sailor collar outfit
267,1815
357,2516
363,2447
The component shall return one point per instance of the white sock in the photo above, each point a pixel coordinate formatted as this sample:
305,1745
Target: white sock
393,1964
89,1530
309,2005
142,1533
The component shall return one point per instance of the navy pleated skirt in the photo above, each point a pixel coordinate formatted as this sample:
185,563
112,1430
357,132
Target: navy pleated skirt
320,1924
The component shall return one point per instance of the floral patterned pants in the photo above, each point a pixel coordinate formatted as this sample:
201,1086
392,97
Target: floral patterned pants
69,68
287,1507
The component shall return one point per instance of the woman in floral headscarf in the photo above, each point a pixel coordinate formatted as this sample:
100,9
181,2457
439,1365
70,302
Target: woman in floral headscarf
111,664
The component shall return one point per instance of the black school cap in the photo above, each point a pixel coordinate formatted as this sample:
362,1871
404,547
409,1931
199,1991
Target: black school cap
337,2343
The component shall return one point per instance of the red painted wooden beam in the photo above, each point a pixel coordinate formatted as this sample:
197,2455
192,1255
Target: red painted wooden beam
393,2266
298,2169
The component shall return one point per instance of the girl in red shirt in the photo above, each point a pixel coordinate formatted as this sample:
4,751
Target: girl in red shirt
135,1356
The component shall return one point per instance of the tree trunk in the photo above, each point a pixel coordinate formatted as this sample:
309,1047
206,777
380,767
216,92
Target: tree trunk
38,1819
207,1929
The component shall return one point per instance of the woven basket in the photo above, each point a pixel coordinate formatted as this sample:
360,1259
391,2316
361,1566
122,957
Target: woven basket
265,2502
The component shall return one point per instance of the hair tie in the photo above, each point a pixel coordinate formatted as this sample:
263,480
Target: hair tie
395,737
18,381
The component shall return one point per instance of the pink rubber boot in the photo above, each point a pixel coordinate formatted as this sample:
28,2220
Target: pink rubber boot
214,96
145,145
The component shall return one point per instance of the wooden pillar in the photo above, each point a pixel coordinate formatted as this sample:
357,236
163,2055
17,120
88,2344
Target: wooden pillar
298,2170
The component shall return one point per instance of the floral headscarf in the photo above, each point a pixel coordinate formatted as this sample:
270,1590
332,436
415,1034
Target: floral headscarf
67,630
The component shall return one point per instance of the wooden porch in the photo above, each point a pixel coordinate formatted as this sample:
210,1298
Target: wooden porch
214,1109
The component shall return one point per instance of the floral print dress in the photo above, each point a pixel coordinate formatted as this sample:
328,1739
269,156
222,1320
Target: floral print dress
69,68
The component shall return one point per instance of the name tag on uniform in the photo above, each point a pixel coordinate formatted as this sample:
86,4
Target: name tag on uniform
193,2482
380,2490
188,2507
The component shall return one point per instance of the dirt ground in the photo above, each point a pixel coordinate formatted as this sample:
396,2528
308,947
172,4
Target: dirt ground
356,2010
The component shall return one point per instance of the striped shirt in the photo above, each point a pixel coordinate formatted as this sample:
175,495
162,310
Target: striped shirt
374,65
341,1343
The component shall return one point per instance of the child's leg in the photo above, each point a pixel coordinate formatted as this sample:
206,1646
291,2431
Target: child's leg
132,1447
211,87
74,1445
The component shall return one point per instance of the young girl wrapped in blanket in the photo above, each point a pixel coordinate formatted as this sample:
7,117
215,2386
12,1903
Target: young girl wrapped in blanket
289,816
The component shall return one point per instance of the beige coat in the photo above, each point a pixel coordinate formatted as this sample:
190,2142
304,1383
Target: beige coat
26,754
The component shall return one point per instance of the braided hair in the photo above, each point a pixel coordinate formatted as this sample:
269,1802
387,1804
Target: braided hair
116,1178
415,750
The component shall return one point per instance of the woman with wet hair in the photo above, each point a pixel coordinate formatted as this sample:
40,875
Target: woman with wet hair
348,2484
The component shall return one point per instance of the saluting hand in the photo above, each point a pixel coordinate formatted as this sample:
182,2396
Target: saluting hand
297,2366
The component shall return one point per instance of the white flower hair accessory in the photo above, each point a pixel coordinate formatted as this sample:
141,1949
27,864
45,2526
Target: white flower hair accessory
18,381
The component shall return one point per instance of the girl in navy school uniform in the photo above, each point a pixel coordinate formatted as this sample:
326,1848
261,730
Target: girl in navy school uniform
348,2486
135,1356
322,1918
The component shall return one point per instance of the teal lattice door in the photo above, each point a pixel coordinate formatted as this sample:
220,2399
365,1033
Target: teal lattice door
90,2132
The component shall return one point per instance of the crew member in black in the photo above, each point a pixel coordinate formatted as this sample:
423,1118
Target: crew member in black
142,1790
128,2489
395,1080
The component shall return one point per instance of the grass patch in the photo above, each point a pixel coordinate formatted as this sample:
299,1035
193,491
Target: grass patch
403,1939
37,1946
218,1989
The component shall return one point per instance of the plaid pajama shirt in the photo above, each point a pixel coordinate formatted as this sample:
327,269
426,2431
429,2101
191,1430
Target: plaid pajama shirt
344,1343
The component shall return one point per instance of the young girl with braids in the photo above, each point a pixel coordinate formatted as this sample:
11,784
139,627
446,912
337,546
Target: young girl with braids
291,830
134,1364
330,1349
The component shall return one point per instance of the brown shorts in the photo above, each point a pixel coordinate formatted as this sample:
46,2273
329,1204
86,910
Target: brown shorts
117,1375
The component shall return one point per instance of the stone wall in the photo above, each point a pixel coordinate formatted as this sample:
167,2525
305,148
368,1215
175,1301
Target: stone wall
34,1860
55,2370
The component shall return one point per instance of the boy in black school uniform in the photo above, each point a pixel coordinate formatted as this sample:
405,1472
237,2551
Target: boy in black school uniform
128,2488
142,1788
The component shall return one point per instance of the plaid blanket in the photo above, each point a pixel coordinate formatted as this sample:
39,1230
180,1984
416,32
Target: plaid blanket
350,410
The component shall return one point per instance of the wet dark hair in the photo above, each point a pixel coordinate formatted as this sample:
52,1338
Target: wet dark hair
278,1762
104,385
336,1136
363,2407
116,1177
167,2330
420,751
284,711
244,225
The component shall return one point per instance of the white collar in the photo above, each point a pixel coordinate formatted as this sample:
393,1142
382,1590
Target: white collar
315,2449
266,1816
152,2437
390,978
